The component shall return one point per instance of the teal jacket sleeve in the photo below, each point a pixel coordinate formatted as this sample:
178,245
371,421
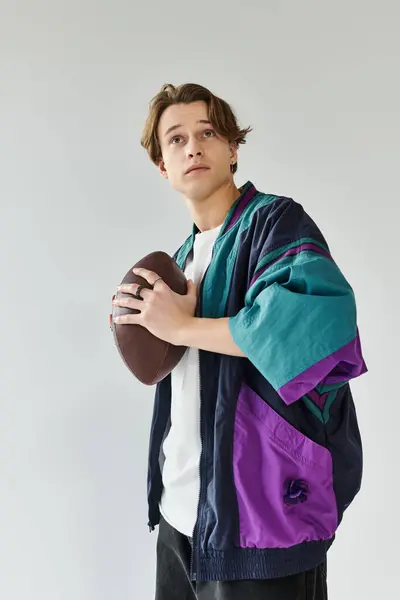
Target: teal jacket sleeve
298,325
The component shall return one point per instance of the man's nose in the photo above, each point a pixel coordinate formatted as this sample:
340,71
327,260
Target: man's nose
194,149
193,153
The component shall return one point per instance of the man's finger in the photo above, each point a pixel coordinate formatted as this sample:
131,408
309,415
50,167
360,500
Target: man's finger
149,276
127,320
129,302
132,288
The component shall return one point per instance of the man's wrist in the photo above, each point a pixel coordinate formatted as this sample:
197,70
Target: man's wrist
184,335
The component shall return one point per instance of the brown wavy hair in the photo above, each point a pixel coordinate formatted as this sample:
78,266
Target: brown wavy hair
220,114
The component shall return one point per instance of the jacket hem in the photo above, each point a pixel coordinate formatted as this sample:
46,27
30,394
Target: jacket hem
254,563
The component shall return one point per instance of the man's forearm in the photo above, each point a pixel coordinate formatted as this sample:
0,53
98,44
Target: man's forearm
209,334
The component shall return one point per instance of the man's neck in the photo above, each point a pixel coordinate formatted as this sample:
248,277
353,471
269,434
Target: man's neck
210,212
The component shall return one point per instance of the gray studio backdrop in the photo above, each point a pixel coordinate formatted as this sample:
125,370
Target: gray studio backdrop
80,203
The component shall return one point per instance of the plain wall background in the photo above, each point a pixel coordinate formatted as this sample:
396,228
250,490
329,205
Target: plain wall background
80,203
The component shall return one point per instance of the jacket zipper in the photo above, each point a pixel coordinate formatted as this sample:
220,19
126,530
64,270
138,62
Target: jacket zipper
195,532
194,552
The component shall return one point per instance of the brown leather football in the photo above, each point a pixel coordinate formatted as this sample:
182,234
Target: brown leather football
146,356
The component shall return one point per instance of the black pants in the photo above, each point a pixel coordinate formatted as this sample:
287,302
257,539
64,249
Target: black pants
173,578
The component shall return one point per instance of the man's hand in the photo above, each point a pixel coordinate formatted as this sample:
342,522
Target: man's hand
163,312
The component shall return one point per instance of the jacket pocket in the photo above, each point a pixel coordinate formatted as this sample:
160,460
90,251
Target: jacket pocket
283,480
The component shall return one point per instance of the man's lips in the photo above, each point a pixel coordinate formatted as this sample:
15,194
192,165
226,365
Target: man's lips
197,168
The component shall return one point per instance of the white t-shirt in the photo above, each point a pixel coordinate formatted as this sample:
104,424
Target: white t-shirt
182,447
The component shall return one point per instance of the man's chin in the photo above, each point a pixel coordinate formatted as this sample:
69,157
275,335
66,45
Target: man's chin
199,190
198,193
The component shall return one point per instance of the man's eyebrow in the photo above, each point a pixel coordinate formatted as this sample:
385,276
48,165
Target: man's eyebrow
179,125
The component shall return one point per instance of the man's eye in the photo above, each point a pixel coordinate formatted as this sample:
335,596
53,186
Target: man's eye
211,131
176,137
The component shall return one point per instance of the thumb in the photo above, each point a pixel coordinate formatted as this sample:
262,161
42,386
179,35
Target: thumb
192,287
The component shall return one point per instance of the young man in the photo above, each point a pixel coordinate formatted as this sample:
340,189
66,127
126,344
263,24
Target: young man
255,451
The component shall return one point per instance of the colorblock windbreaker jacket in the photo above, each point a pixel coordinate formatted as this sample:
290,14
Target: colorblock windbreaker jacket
281,452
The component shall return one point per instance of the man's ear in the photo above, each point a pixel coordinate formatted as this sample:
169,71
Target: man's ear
234,152
162,169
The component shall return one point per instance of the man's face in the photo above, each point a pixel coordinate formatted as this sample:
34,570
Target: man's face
187,139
